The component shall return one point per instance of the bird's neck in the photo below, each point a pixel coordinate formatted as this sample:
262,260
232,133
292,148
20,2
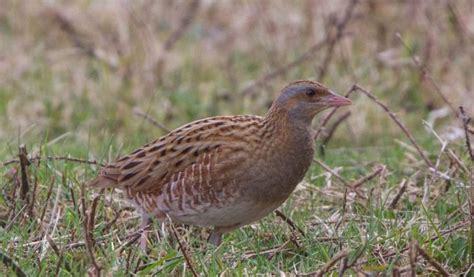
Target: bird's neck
288,146
287,123
290,136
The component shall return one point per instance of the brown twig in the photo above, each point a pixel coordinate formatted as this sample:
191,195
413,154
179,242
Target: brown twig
413,255
92,212
60,158
24,163
58,264
183,250
33,193
73,198
398,122
340,26
11,198
325,268
425,74
289,222
88,232
270,251
116,217
471,204
155,123
432,261
279,249
367,178
328,117
48,195
465,120
343,267
332,130
53,245
401,191
335,174
131,241
456,160
11,221
343,211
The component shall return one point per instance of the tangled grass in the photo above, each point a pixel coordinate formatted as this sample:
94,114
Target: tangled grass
391,190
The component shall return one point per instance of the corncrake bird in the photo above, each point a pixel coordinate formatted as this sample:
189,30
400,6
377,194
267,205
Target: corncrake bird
224,171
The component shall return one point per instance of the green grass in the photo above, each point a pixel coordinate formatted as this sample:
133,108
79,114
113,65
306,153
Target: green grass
60,100
369,229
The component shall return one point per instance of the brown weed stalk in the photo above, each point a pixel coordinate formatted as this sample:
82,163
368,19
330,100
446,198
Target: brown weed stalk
398,122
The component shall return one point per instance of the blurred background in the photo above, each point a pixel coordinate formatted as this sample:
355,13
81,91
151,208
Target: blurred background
78,79
82,70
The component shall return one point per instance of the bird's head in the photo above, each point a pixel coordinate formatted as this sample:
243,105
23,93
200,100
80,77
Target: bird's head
302,100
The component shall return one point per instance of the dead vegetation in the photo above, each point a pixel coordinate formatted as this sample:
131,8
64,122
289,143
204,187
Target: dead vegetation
82,82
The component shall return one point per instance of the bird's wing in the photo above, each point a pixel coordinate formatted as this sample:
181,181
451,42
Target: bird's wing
211,148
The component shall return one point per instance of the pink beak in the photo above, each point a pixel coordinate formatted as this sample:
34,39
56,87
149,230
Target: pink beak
334,100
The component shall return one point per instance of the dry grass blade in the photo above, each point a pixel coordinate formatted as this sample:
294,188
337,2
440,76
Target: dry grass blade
60,158
48,196
334,173
398,122
401,191
24,163
412,255
92,212
471,204
280,249
155,123
12,221
465,120
70,159
432,261
367,177
89,241
333,129
441,234
325,268
289,222
183,250
425,74
270,251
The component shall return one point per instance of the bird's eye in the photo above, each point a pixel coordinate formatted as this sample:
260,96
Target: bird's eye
310,93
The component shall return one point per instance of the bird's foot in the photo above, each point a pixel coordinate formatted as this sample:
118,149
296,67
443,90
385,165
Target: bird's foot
215,238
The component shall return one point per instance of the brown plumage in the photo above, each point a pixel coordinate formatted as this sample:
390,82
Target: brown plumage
224,171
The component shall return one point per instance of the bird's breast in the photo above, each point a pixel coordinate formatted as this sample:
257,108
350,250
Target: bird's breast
280,167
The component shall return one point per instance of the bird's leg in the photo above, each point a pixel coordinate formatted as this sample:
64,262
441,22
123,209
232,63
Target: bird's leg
215,238
146,221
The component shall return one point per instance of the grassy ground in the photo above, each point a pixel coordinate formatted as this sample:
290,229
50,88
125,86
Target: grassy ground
73,76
